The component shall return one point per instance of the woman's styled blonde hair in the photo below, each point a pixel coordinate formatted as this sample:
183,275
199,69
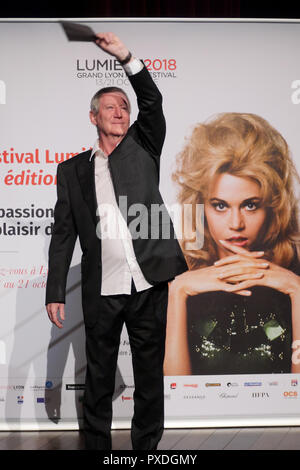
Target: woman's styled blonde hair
247,146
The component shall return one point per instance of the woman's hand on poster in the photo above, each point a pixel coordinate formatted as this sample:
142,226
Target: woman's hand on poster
259,272
243,266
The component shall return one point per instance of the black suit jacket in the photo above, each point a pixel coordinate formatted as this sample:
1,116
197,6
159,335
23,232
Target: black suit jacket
134,167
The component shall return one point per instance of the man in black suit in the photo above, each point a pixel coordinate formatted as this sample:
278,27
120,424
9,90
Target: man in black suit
127,260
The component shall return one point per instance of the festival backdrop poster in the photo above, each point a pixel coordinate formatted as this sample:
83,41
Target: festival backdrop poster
46,82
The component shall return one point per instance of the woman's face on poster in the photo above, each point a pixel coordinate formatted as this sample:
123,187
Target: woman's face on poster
234,212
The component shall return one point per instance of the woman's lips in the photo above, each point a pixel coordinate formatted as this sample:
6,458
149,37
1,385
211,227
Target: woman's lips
239,241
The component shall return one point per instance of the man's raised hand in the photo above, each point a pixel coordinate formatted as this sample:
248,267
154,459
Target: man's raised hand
111,44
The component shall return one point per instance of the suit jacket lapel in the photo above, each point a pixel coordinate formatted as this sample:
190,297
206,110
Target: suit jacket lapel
86,176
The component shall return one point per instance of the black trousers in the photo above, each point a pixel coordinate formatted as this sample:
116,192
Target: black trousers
144,314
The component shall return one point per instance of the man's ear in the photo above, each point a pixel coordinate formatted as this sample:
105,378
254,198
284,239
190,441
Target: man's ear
92,118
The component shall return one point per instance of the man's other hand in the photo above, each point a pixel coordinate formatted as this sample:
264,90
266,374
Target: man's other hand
56,313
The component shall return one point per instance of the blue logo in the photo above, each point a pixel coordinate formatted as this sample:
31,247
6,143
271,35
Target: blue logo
253,384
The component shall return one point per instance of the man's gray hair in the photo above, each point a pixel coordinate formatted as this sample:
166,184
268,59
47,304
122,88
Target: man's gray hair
104,91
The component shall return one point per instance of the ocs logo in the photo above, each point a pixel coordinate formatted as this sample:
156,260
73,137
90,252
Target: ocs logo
2,92
291,394
296,94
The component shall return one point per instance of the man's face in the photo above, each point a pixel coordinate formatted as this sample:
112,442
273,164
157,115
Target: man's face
113,115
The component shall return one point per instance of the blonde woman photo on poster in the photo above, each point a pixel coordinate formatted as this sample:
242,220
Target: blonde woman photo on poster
237,309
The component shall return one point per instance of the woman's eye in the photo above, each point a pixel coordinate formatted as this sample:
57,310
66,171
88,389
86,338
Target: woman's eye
251,206
219,206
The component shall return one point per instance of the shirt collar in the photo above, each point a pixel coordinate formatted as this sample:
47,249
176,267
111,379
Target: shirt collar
97,150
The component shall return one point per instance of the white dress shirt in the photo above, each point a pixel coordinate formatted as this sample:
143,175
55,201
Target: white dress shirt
119,264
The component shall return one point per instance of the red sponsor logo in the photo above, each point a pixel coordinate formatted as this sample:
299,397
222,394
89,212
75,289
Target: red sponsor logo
291,394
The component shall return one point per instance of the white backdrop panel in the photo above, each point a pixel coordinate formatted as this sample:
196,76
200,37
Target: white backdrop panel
46,82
